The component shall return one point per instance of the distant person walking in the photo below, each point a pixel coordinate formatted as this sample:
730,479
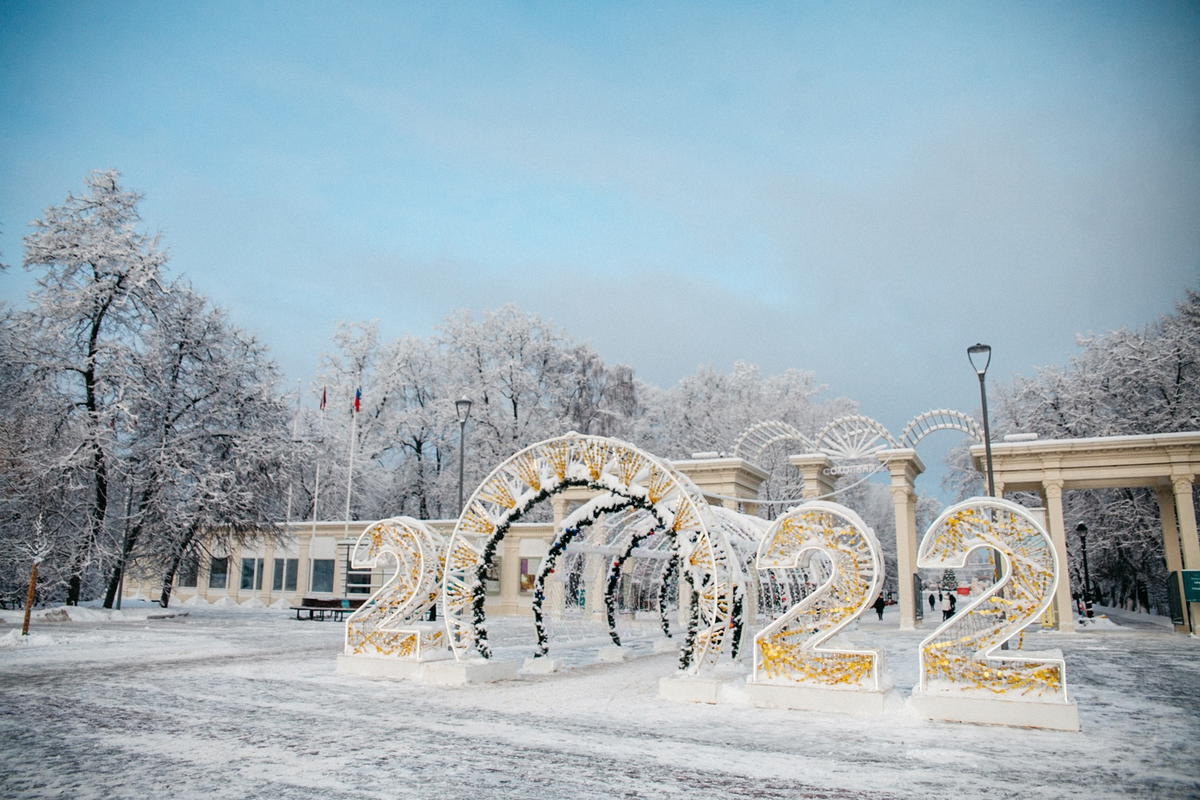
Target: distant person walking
953,602
945,607
932,602
879,606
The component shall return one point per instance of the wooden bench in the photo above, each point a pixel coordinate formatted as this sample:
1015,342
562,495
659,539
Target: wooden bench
336,607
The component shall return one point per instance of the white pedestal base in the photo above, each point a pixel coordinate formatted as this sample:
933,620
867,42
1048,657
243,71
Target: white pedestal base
402,669
1023,713
816,698
441,672
688,689
611,653
541,666
461,673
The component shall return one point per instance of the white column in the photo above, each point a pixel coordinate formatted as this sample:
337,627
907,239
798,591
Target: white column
268,574
233,581
302,568
1053,489
1189,542
904,467
1166,511
510,576
816,482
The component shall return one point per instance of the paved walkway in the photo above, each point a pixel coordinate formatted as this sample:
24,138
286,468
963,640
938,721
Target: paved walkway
228,704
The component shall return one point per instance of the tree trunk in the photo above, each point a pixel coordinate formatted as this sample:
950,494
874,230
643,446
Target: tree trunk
131,537
169,578
99,468
29,595
118,571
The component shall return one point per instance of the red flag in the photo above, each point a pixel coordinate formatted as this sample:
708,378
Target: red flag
322,398
357,397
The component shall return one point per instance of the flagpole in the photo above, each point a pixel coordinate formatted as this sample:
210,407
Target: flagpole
287,524
350,471
317,484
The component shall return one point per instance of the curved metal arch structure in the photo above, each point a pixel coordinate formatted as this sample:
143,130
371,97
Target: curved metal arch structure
941,419
628,477
592,549
758,438
744,533
854,437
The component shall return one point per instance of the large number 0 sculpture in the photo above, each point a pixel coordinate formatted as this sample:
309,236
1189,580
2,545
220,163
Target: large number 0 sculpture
795,664
965,675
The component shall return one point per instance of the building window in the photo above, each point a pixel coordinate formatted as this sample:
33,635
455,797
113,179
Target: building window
529,567
358,581
493,575
218,573
252,569
284,577
187,573
322,575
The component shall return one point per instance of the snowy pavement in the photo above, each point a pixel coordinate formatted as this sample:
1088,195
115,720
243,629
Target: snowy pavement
232,703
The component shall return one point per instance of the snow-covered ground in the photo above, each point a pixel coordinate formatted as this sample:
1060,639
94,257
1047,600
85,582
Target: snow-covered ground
233,703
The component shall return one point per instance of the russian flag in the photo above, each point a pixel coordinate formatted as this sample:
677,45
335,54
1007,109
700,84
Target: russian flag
357,398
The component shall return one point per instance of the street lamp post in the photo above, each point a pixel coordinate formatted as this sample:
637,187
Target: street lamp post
463,409
1081,529
980,356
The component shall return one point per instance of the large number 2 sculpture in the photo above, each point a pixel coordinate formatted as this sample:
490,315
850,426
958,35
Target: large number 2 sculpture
962,653
790,648
388,623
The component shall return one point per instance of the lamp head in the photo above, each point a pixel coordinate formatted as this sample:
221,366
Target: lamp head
463,408
980,356
1081,529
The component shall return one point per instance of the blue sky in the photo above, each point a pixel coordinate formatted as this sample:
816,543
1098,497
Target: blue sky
860,189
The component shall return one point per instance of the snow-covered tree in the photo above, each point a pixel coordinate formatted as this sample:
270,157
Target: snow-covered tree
709,410
527,381
208,444
1124,382
137,411
949,581
98,277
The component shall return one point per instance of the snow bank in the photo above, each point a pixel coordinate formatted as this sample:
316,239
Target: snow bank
14,639
82,614
1099,621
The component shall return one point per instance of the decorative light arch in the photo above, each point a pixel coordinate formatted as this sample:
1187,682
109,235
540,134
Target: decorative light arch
940,419
758,438
854,437
629,478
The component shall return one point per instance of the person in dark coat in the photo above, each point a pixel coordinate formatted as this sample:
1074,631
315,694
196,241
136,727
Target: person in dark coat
932,602
879,606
